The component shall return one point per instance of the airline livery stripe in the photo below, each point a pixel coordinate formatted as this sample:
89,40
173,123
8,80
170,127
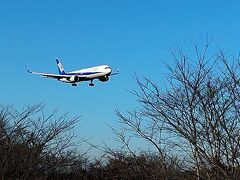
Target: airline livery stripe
84,73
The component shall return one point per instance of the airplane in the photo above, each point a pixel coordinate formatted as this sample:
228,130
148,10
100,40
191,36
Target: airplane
101,73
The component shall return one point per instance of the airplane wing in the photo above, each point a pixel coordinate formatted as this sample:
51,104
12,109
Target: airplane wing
115,73
48,75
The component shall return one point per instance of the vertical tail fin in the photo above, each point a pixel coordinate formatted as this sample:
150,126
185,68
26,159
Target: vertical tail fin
60,67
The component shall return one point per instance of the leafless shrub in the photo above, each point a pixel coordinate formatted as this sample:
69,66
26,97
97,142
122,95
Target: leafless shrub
34,144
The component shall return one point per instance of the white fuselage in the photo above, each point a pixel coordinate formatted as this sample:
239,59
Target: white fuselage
88,74
94,72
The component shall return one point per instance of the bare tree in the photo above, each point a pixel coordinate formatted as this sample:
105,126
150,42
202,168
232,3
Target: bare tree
196,115
34,144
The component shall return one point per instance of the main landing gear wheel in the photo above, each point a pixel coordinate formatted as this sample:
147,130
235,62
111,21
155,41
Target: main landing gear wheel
74,84
91,83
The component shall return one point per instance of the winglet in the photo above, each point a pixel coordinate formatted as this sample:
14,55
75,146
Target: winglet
28,69
115,73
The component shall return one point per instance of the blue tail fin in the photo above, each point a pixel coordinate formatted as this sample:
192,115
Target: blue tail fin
60,67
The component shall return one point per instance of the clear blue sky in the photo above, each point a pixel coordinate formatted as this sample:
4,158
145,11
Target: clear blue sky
134,35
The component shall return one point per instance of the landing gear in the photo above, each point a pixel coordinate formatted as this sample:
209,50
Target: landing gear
91,83
74,84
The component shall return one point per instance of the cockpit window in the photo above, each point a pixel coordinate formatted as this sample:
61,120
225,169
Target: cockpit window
107,67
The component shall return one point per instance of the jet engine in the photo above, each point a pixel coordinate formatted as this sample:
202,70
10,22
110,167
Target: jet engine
104,78
74,78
